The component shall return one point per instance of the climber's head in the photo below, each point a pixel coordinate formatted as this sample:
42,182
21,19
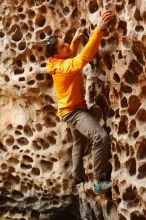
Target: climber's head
51,46
55,47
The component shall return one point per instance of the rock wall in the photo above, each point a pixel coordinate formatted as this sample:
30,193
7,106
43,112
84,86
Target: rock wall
35,146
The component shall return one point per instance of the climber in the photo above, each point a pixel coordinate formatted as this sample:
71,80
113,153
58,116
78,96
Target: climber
65,67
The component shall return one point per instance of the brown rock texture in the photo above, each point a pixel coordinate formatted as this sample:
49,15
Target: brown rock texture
35,146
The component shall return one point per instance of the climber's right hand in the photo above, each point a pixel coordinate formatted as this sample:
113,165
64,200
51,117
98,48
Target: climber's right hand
104,19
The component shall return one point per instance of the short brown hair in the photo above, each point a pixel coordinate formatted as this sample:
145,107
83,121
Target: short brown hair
51,45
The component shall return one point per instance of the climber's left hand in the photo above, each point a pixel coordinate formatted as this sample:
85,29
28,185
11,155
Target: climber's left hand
79,33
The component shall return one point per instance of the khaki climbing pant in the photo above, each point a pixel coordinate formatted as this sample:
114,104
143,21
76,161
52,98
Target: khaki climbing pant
83,126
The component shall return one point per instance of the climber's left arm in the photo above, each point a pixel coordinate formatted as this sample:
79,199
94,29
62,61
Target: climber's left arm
76,41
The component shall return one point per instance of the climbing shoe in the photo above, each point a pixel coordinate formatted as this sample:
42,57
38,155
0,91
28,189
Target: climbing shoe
101,187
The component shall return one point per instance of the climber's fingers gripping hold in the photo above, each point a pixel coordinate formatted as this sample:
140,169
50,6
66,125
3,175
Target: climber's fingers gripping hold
37,2
104,19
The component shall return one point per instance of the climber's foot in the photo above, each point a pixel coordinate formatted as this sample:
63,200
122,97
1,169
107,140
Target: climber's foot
101,187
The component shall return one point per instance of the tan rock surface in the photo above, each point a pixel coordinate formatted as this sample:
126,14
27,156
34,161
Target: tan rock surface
35,146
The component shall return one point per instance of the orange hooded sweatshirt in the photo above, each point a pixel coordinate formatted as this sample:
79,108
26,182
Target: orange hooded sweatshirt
67,75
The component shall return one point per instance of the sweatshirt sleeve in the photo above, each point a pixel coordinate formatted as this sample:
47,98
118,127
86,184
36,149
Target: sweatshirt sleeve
89,51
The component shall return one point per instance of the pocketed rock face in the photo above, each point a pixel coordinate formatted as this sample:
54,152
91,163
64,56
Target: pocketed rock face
35,146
